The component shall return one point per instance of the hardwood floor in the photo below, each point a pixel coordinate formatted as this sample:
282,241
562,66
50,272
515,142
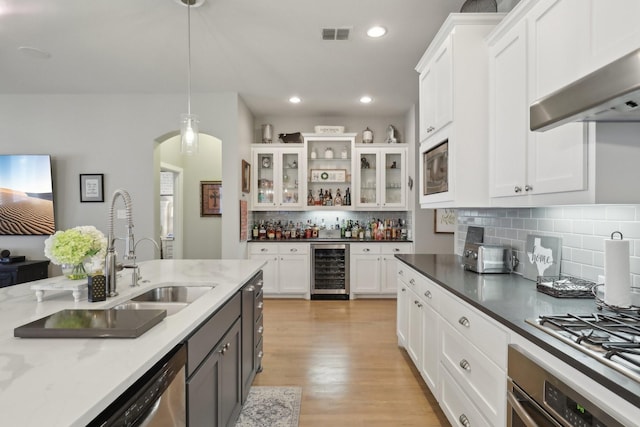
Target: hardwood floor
345,356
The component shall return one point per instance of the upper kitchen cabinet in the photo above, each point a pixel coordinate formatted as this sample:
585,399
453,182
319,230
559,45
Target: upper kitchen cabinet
453,113
278,178
330,164
382,176
563,165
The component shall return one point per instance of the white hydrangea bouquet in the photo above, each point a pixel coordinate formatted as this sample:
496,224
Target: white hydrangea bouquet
73,247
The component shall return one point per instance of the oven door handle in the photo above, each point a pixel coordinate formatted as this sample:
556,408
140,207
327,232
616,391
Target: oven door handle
522,413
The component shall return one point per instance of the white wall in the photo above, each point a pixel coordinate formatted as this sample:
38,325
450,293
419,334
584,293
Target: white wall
113,134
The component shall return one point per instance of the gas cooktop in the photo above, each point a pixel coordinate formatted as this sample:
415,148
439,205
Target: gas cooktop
612,337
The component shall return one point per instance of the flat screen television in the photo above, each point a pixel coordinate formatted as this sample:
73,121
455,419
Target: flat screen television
26,195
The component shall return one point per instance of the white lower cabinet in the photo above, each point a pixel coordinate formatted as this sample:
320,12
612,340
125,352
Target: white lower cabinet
287,273
373,267
460,352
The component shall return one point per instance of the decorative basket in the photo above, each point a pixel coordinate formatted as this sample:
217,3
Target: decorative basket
564,286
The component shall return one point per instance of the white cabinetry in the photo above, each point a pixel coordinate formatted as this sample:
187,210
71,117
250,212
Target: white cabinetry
381,177
563,165
453,98
419,322
461,353
287,272
277,181
373,267
436,90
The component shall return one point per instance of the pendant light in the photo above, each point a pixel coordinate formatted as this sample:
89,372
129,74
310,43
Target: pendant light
189,122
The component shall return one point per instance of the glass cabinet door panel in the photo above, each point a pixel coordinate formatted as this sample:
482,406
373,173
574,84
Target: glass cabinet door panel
368,194
265,174
290,178
393,176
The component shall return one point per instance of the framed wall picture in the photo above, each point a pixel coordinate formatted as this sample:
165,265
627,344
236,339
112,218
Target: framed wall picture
444,221
210,198
246,177
91,187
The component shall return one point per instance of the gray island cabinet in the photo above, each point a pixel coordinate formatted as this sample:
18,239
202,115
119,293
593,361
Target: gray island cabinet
72,381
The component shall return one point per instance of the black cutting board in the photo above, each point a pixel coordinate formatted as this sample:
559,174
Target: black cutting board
92,324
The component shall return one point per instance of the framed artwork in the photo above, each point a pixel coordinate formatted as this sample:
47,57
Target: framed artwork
246,177
91,187
444,221
210,198
542,256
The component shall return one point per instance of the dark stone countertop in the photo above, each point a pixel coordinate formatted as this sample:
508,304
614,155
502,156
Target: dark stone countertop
510,300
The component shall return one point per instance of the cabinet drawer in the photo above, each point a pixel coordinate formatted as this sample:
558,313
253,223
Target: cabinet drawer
364,249
484,381
431,294
209,334
267,248
457,406
482,333
396,248
293,248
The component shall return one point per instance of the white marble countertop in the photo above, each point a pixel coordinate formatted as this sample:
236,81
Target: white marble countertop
68,382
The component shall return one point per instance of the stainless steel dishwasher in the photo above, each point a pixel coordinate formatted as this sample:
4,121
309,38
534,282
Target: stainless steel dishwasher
329,271
157,399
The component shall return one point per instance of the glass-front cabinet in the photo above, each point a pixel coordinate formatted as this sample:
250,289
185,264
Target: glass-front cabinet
330,163
277,181
381,179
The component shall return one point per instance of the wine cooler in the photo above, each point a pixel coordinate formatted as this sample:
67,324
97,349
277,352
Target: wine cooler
329,271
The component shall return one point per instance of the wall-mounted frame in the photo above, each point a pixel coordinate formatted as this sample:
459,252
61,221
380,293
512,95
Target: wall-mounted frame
210,198
91,187
246,177
444,221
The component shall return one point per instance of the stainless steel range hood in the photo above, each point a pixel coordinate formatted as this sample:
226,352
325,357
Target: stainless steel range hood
610,94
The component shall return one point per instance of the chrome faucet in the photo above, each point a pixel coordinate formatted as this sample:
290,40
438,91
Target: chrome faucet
110,264
135,275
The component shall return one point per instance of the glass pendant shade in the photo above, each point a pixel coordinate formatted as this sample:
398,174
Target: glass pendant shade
189,134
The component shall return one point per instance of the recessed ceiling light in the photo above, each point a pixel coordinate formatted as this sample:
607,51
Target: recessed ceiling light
295,100
376,31
34,52
366,99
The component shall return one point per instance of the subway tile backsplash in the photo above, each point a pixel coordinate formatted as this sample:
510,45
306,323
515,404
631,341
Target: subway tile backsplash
583,230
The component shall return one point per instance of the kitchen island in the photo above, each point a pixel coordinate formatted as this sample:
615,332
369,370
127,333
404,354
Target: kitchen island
68,382
504,302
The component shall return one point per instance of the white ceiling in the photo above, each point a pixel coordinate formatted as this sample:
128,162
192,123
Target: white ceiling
266,50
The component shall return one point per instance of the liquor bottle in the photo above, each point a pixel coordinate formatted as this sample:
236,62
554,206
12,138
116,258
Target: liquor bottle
310,201
328,198
255,233
263,231
347,230
347,198
337,201
320,200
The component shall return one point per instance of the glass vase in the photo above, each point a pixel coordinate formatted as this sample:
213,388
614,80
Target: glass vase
74,271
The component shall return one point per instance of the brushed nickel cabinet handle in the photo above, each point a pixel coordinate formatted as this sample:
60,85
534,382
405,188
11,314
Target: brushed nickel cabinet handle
528,188
517,189
464,420
464,364
464,322
293,250
412,281
260,330
260,304
428,294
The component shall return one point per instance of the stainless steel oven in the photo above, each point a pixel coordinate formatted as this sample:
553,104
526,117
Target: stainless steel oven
329,271
537,398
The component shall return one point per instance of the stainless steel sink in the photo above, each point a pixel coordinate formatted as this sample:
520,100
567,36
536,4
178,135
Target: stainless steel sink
172,294
171,298
171,307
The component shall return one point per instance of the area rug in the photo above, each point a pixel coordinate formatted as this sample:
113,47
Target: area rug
271,407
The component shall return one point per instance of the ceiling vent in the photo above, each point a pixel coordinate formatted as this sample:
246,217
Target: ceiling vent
335,33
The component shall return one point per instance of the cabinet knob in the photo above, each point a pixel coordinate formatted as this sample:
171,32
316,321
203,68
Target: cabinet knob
250,288
401,272
260,304
464,364
366,250
260,283
293,250
528,188
260,330
396,249
260,354
464,420
263,250
404,289
464,322
517,189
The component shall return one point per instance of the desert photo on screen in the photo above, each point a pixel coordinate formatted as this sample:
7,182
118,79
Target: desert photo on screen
26,195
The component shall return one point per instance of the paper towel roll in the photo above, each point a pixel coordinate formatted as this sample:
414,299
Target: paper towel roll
617,272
